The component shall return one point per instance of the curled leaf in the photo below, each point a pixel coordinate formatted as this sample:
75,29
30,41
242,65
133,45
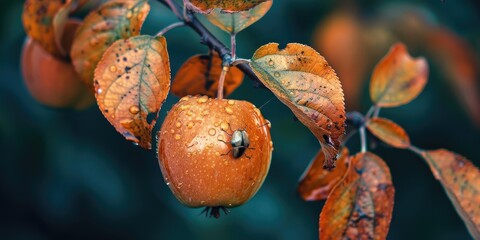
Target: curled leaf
200,75
461,180
302,79
234,22
389,132
361,205
317,182
398,78
131,82
118,19
206,6
38,18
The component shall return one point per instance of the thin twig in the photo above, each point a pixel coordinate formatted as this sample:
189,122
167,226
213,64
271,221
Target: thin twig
415,150
376,112
233,45
363,139
170,27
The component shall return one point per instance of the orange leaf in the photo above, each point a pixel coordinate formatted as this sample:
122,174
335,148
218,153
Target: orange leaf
38,18
131,82
389,132
398,79
234,22
200,75
228,6
317,182
361,205
461,180
119,19
460,66
302,79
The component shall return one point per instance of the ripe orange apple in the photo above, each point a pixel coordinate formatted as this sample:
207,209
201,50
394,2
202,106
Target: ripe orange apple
53,81
214,153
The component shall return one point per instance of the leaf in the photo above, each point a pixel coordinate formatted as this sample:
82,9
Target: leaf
206,6
389,132
234,22
37,20
200,75
461,180
398,78
59,23
302,79
131,83
459,65
114,20
317,182
361,205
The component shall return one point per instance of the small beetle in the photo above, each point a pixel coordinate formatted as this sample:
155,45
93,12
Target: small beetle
239,142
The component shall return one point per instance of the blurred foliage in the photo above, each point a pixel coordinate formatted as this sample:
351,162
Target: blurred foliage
68,175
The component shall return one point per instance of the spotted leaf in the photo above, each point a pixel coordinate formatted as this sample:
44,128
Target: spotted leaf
398,78
131,82
114,20
461,181
361,205
302,79
317,182
200,75
206,6
38,21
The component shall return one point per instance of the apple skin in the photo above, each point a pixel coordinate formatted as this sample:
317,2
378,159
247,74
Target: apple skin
195,153
53,81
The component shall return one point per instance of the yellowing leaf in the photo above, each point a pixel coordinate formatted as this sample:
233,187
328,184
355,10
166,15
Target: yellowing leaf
60,20
38,17
234,22
119,19
361,205
398,79
317,182
131,82
461,180
200,75
302,79
389,132
205,6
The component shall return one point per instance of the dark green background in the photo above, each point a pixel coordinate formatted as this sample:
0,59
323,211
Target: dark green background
69,175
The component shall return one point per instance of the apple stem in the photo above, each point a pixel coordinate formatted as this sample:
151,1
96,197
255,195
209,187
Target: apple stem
221,82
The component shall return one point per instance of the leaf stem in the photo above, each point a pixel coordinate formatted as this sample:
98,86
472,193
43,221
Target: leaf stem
233,45
363,139
240,61
170,27
376,112
221,82
415,150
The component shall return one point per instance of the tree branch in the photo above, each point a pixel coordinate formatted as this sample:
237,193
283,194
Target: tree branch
208,38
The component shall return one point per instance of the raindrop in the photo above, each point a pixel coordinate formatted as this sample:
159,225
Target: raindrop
113,68
203,99
224,126
229,110
205,112
212,132
231,102
184,98
189,113
271,62
220,138
178,124
99,91
134,109
276,74
190,125
177,136
217,154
